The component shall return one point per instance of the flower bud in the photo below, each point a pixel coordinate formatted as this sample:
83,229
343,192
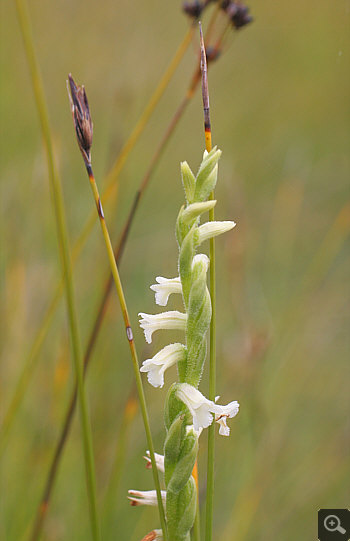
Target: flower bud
195,210
213,229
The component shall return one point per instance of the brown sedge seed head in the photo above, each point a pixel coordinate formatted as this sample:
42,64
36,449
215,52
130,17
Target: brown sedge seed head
81,118
237,12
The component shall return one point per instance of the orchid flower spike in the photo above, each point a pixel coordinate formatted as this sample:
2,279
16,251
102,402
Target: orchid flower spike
202,409
166,357
166,320
164,288
146,497
159,461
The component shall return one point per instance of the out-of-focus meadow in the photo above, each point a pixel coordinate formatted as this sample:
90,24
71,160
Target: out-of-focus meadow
280,113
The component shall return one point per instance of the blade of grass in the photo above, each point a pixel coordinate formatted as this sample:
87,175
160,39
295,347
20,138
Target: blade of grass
57,197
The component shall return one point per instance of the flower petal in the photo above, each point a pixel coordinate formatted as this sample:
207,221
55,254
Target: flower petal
166,357
164,288
166,320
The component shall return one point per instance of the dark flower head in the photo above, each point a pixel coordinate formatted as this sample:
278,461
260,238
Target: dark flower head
81,118
193,9
237,12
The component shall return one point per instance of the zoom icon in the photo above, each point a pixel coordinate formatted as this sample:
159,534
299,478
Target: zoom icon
334,525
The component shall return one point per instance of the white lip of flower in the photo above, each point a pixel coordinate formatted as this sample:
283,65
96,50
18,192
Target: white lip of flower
146,497
201,258
166,320
159,461
164,288
166,357
228,411
212,229
202,409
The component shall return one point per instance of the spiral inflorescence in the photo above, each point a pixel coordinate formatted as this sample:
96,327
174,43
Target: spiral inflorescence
187,411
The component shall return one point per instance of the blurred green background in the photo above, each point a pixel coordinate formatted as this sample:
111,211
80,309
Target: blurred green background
280,113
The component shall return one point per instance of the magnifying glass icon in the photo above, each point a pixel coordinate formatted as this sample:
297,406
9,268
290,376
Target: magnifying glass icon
332,524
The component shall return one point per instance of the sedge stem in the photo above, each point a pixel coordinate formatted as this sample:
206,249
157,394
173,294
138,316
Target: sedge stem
130,337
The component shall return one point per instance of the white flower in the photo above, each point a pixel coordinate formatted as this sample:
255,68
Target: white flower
159,461
166,320
164,288
212,229
202,409
146,497
165,358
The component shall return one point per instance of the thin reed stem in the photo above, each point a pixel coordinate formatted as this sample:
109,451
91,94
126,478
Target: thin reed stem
130,337
212,21
57,197
212,289
31,361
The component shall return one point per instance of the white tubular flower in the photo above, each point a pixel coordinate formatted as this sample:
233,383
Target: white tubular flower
212,229
166,357
146,497
164,288
166,320
202,409
154,535
159,461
